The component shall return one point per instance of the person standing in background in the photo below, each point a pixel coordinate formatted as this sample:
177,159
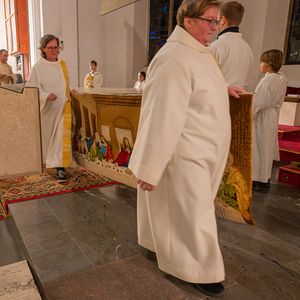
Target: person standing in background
6,74
94,78
140,84
232,53
267,101
50,76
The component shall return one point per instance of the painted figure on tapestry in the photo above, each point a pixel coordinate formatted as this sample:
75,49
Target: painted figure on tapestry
105,149
125,154
84,142
95,153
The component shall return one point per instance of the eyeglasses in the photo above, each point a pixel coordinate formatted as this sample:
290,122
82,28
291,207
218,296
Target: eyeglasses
211,22
52,48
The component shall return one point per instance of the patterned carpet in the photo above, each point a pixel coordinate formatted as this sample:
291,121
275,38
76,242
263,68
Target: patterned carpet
37,186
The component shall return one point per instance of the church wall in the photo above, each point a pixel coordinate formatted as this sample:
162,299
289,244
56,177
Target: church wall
60,18
117,41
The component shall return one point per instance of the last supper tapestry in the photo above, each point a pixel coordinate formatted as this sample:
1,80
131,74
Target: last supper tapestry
105,128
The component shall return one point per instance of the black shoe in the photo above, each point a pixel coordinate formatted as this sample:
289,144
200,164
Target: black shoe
255,185
211,289
265,184
61,175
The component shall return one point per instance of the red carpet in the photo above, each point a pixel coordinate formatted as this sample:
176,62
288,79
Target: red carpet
289,150
289,133
289,176
44,185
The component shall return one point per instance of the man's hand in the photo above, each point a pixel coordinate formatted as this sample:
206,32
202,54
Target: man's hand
233,90
146,186
52,97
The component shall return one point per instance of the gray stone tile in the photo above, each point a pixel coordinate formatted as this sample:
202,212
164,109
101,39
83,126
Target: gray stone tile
285,208
295,265
259,274
259,240
114,211
70,209
9,247
236,292
37,215
99,243
53,252
277,227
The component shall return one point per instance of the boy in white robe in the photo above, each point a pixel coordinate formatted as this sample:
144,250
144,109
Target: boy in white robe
267,101
94,78
232,53
181,150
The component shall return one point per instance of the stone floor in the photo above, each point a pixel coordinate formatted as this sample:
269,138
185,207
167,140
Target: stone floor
69,233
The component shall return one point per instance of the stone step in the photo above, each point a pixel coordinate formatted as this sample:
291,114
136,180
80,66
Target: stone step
16,282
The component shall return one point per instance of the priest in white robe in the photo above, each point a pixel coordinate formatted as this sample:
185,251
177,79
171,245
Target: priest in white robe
50,76
181,150
231,51
267,101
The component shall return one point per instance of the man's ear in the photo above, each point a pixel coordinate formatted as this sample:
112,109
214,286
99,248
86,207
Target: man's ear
223,20
187,22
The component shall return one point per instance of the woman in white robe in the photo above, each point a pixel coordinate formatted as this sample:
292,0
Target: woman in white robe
268,99
181,150
49,76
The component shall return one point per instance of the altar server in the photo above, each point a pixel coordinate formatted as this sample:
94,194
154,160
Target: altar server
6,74
94,78
50,76
140,84
181,150
268,99
232,53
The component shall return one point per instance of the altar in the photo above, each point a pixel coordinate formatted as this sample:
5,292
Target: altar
105,129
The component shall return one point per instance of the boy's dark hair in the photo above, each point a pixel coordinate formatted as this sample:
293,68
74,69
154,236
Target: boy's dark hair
93,62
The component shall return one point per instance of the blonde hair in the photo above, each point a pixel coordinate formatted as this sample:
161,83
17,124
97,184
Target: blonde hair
193,9
273,58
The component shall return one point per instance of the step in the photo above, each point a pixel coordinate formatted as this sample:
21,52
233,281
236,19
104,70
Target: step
289,133
289,176
289,151
16,282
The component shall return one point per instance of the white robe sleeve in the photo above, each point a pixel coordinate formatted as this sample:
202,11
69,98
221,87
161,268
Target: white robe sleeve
98,80
163,114
262,98
217,54
34,81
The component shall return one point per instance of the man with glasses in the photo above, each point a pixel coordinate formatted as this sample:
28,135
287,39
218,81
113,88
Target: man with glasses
232,53
6,74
